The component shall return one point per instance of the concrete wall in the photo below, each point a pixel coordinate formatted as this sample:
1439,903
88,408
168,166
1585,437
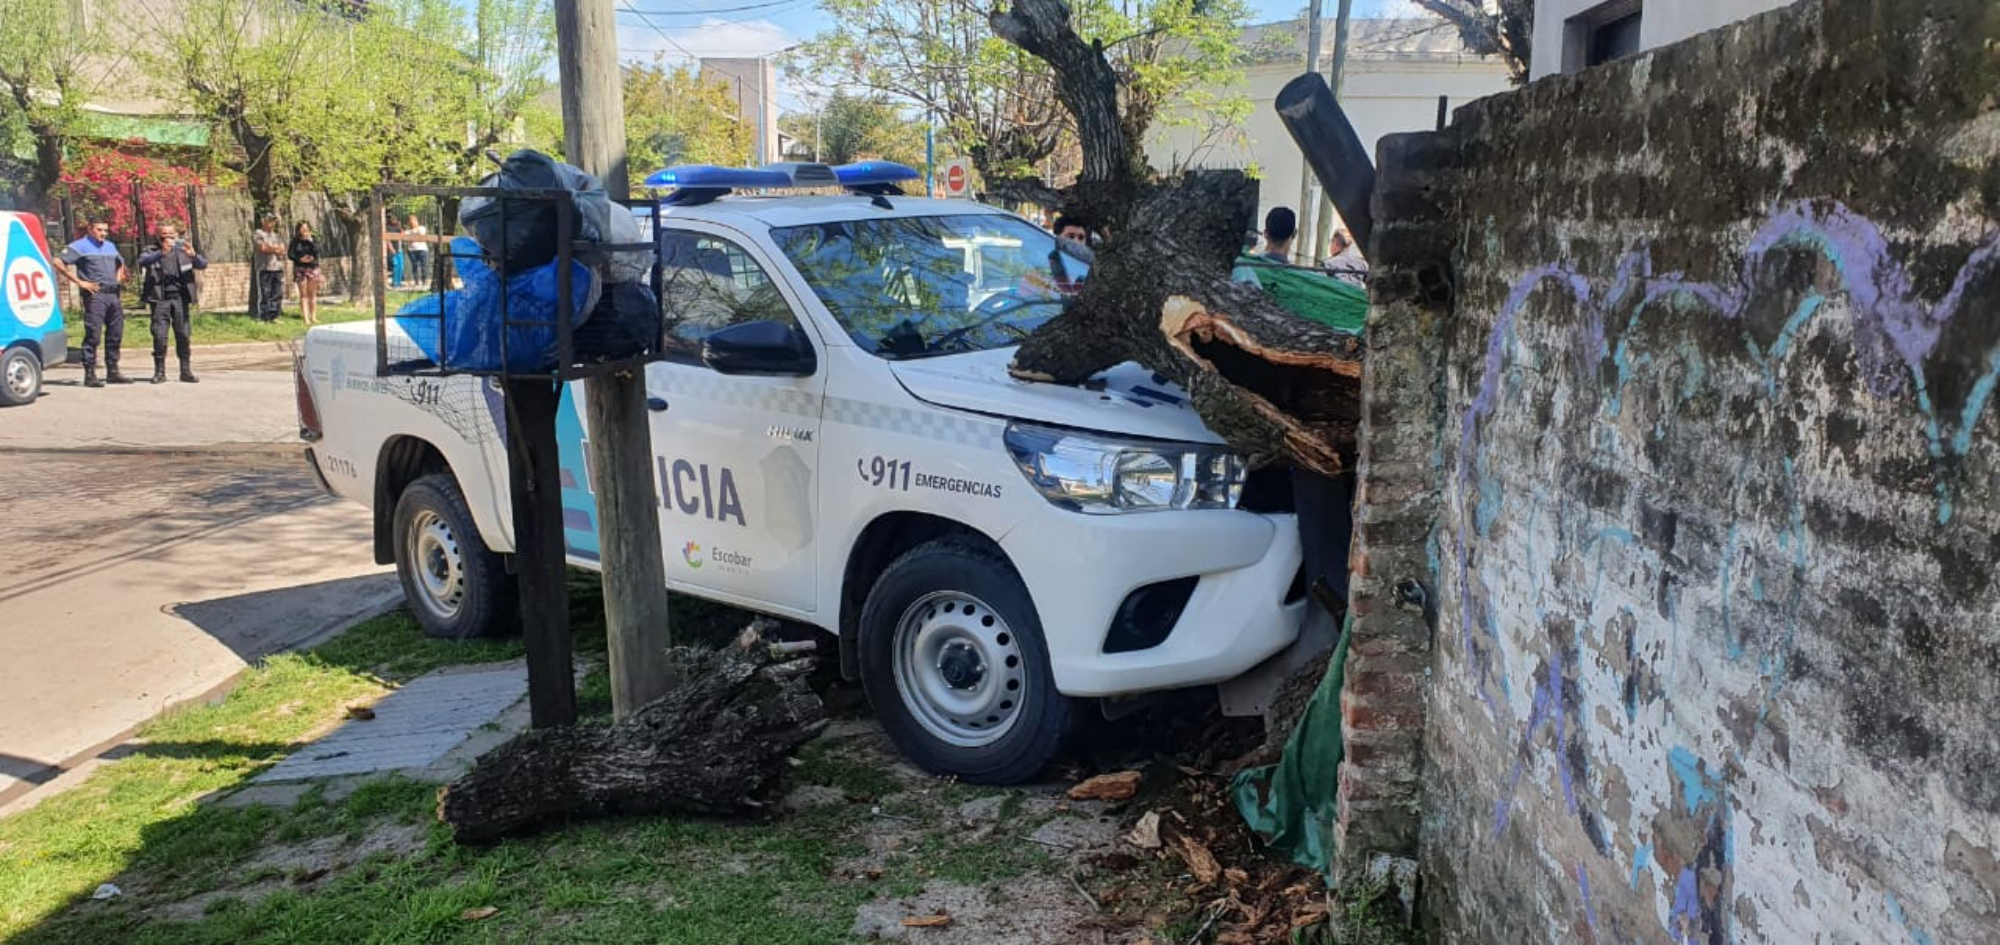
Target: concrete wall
1382,95
1708,433
1663,22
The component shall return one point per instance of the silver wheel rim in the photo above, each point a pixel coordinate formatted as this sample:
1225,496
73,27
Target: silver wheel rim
959,669
437,565
20,377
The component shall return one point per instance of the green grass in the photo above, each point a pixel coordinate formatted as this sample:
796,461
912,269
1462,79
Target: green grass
140,822
140,811
230,327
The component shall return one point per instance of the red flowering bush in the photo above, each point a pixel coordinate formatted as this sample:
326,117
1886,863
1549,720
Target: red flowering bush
103,181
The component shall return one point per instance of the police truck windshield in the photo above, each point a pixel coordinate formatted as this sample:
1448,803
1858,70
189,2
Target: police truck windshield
914,287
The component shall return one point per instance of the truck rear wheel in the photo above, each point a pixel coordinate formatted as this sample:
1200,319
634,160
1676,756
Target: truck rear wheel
954,664
20,377
455,586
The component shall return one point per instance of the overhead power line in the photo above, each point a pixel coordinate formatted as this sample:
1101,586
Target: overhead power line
663,33
704,11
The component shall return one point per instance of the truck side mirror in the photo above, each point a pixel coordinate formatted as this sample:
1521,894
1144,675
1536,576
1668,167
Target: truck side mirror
770,348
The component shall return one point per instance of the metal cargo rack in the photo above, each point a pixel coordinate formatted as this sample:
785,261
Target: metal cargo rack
405,359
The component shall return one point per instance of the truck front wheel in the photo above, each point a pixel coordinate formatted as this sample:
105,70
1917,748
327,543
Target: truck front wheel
456,587
954,664
20,377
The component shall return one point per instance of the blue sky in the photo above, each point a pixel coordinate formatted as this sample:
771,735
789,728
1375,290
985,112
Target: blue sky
685,29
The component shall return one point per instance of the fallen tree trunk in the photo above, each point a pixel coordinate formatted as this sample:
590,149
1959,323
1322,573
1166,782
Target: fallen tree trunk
1271,383
716,744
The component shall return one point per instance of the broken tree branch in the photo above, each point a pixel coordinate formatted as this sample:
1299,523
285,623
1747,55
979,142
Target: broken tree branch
1269,382
716,744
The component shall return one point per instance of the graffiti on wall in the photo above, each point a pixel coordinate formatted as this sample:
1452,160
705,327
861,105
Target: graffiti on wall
1573,629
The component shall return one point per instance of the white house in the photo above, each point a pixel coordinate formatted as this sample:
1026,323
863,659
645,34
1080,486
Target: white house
1397,71
1571,35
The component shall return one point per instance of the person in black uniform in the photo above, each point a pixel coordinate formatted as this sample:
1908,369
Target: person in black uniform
94,265
167,271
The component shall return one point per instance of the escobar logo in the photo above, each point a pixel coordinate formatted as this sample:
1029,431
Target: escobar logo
691,553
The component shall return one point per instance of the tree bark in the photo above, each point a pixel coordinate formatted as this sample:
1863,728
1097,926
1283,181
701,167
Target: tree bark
1271,383
1114,165
717,744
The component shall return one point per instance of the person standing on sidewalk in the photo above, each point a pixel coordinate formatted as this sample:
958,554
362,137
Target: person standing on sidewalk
94,265
304,251
420,252
167,284
270,249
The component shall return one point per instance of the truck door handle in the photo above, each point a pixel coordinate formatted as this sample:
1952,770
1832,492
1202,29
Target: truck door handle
656,404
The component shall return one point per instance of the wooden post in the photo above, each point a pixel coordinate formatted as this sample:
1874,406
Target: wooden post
1332,149
532,471
621,444
1337,76
1306,202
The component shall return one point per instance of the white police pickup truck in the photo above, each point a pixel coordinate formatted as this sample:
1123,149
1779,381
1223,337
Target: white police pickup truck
837,441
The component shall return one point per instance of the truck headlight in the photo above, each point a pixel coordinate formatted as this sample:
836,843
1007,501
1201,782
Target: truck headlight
1101,475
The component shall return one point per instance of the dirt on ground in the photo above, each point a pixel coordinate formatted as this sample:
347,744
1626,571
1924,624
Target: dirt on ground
1192,872
299,867
917,858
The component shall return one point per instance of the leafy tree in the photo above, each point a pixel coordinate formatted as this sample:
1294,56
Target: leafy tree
673,116
44,82
848,128
1505,28
997,104
342,96
264,72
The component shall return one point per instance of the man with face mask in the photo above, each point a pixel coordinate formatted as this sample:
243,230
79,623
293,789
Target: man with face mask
168,287
94,265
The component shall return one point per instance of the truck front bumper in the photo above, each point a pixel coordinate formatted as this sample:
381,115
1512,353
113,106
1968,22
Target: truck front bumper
1246,603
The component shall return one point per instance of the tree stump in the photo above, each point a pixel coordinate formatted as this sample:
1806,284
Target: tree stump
717,744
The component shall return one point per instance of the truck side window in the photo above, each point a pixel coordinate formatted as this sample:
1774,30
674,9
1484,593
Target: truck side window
709,283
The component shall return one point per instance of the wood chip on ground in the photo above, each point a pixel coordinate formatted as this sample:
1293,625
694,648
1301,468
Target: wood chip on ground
1107,787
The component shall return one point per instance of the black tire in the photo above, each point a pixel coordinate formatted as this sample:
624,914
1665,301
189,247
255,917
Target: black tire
486,598
955,570
20,377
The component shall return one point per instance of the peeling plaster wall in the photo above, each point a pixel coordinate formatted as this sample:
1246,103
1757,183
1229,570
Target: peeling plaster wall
1717,633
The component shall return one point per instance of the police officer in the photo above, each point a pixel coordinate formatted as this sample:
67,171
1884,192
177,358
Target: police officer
168,286
94,265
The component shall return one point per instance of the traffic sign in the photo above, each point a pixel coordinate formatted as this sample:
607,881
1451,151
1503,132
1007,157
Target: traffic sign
958,178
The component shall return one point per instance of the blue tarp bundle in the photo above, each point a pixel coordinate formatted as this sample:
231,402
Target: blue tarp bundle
470,319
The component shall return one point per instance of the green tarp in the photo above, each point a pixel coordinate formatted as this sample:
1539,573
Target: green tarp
1292,804
1310,294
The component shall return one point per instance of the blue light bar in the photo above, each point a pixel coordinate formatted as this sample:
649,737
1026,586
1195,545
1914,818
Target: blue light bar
864,173
706,176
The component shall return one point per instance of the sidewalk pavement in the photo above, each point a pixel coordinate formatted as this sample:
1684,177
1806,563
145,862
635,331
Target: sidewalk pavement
229,408
432,729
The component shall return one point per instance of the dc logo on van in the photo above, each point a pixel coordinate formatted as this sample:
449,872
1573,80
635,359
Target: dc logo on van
31,291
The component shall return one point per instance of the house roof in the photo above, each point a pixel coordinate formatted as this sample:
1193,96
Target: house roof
1423,39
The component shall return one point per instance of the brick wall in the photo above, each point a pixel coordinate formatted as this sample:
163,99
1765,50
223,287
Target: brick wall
1716,652
225,286
1395,504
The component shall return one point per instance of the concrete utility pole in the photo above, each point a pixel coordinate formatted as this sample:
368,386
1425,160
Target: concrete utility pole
1307,202
1339,73
621,444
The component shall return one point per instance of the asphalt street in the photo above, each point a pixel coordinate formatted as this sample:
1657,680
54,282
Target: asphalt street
164,537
